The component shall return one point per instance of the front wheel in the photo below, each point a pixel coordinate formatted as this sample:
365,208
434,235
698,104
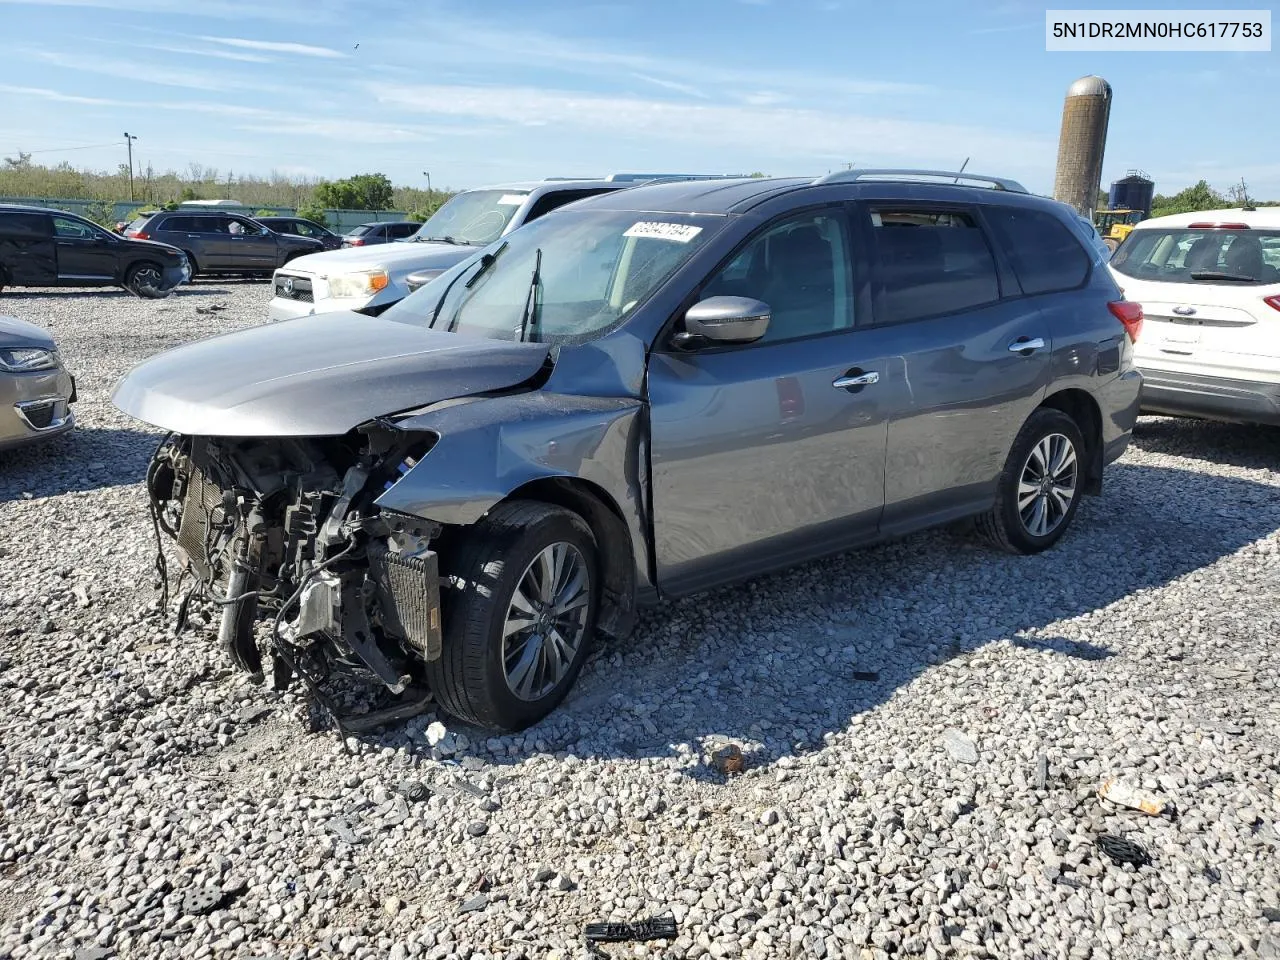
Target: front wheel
147,280
1039,489
520,604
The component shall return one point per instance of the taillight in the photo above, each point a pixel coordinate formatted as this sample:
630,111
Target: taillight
137,235
356,243
1129,314
1272,302
1205,225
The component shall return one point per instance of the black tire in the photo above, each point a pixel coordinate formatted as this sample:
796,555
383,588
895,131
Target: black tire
1006,525
480,577
146,280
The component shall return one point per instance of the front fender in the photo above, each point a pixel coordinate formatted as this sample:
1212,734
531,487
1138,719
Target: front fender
491,447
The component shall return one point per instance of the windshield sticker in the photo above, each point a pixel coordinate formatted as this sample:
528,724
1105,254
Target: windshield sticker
676,232
875,219
512,199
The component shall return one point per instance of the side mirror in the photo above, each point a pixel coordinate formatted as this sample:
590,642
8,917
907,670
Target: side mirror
719,320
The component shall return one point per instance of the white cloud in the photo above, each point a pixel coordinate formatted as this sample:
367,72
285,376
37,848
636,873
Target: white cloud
56,97
127,69
275,46
198,52
216,9
684,88
787,133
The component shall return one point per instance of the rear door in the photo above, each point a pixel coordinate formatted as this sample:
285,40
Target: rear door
27,253
206,235
973,365
768,453
84,251
251,245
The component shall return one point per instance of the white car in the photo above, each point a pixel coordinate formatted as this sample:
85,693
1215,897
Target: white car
1209,285
370,279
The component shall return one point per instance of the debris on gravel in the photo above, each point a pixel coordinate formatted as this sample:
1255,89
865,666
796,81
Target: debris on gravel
926,724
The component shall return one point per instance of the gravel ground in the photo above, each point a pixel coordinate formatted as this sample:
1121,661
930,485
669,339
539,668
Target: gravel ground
925,726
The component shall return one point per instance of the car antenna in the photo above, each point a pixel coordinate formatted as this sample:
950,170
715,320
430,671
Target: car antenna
961,170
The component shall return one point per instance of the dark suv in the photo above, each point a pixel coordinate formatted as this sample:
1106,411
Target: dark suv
649,393
370,234
222,242
302,227
49,248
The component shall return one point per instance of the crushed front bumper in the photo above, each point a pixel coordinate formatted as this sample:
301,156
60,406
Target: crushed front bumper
35,406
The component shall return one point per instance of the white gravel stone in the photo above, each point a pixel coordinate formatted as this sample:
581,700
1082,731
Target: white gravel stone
136,767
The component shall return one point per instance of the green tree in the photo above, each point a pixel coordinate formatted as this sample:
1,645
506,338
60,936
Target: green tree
21,162
313,211
365,191
1201,196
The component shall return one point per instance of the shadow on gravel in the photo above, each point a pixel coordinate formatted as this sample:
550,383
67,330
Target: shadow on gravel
1236,444
771,663
103,293
84,459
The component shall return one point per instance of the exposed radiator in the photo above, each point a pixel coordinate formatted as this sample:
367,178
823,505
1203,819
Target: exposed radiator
409,596
203,500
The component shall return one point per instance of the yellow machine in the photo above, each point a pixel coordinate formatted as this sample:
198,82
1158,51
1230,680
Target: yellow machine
1115,225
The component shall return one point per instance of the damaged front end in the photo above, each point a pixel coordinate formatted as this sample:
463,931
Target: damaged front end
284,531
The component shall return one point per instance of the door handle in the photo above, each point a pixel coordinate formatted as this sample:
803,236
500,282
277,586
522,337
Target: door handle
1026,344
856,380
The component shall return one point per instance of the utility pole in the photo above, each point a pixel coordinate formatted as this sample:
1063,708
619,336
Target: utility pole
430,197
128,140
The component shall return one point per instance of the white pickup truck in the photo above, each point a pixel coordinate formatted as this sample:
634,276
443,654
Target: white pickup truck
370,279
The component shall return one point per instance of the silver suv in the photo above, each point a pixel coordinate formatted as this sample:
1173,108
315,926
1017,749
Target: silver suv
656,392
371,279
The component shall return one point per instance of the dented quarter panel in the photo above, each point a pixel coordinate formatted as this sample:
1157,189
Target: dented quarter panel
489,448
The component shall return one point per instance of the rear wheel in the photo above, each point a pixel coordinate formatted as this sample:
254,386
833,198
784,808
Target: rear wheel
191,260
1039,489
147,280
520,602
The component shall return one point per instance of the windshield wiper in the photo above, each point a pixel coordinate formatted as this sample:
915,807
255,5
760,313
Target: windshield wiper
1215,275
529,321
485,262
452,240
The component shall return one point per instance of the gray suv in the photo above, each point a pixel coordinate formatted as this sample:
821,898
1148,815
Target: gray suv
222,242
654,392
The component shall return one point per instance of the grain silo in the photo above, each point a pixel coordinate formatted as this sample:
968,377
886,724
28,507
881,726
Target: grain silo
1080,148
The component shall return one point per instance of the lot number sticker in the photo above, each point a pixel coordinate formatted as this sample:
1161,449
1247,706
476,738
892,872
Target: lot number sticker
511,199
676,232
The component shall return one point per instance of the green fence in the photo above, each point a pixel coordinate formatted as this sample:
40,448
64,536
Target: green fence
339,220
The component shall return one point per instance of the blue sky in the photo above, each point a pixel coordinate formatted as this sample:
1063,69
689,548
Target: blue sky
481,93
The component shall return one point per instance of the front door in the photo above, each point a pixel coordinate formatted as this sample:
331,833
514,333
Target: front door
251,247
765,454
84,252
974,364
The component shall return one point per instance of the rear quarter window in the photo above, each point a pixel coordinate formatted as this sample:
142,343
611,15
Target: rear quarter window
24,225
1044,253
929,263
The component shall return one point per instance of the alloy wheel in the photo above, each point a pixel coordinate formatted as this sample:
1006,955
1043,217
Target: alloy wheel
1047,485
546,621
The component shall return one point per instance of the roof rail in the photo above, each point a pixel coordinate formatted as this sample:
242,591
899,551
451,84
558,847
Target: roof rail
650,177
923,176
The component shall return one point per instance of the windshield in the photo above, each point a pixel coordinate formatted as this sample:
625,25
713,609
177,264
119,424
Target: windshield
560,279
476,217
1187,255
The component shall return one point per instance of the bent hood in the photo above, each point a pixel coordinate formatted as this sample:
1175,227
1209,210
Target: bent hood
18,334
316,376
396,257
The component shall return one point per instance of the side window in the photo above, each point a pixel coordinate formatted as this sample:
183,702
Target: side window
72,229
1044,253
555,199
401,230
930,262
242,228
23,225
800,267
